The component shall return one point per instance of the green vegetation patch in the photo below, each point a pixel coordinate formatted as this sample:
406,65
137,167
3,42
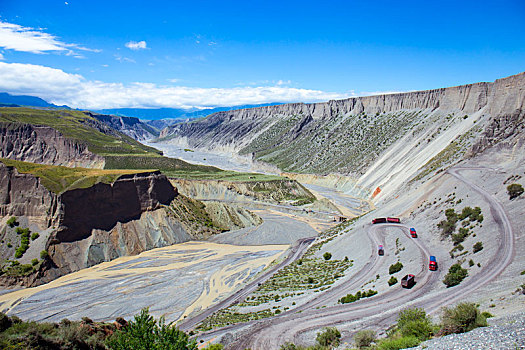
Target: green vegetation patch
78,126
176,168
226,317
59,179
455,275
350,298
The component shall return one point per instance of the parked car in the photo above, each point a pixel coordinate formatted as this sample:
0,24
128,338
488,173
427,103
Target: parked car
408,281
380,250
413,232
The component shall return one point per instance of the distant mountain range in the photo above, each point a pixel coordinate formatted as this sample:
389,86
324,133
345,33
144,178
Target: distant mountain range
173,113
24,100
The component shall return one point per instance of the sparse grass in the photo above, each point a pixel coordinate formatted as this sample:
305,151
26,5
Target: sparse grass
59,179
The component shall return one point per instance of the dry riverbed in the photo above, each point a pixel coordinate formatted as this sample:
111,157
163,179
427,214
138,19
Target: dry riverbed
172,281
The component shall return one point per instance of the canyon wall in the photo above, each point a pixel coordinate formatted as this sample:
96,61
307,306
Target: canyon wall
380,141
45,145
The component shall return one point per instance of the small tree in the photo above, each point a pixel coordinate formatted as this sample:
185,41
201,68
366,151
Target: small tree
44,254
330,336
327,256
514,190
12,221
144,333
392,281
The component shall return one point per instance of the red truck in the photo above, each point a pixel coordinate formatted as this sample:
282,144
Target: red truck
408,281
433,265
413,232
379,221
393,220
380,250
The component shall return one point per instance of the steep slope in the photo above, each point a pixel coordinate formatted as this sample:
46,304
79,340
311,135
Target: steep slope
130,126
381,141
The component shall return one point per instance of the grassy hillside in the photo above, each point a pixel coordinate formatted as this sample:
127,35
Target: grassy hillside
59,179
76,125
119,150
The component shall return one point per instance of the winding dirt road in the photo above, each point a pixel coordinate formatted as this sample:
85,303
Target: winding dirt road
381,309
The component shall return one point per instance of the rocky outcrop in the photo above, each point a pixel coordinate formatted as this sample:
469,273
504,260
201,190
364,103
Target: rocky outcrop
102,206
130,126
24,195
45,145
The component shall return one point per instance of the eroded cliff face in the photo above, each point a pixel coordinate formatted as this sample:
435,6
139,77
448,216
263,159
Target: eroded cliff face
45,145
130,126
24,195
380,141
103,205
95,224
250,130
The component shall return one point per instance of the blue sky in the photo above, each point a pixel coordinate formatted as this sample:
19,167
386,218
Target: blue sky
106,54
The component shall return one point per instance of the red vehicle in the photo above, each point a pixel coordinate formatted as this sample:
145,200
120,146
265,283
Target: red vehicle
413,232
394,220
380,250
432,265
379,221
408,281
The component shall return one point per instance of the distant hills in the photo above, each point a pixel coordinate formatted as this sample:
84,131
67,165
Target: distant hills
8,100
173,113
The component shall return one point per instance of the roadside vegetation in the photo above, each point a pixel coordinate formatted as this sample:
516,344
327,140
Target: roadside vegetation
143,332
350,298
310,274
514,191
413,326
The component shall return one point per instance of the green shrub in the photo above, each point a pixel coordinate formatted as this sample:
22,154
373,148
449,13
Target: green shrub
34,235
364,338
392,281
514,190
455,275
460,237
12,221
462,318
288,346
395,267
144,333
330,336
34,262
350,298
327,256
214,347
478,246
414,322
471,263
487,314
398,343
44,254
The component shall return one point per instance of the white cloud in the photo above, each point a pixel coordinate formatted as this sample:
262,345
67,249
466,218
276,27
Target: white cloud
59,87
26,39
174,80
136,45
1,57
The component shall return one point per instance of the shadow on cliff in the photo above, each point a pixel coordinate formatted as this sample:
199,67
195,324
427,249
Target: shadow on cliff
103,205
